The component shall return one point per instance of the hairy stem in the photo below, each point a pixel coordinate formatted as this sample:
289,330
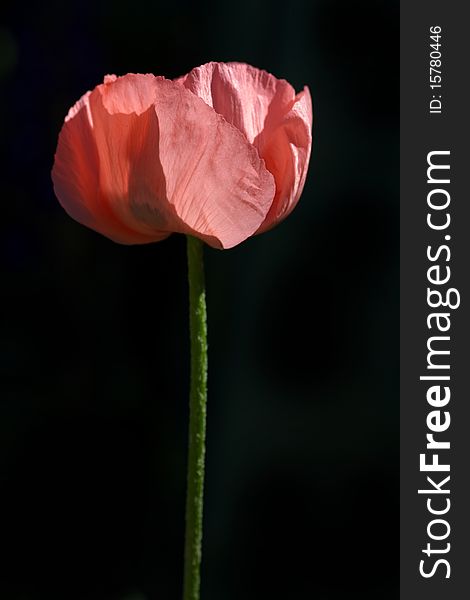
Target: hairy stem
197,421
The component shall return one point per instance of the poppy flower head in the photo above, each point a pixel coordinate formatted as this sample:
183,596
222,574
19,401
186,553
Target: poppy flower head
220,154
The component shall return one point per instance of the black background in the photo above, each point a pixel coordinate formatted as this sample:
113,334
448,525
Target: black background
302,472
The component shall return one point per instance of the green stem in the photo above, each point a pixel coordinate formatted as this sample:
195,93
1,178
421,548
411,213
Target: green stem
197,420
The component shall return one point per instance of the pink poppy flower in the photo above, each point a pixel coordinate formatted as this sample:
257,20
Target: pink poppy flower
220,154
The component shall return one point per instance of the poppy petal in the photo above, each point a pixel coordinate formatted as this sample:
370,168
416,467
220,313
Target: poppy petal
215,180
126,133
245,96
78,172
286,150
276,121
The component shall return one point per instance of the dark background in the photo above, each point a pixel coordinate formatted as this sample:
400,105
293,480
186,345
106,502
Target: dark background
302,471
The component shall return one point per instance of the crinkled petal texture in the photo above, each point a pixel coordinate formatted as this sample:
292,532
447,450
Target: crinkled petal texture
272,117
141,157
